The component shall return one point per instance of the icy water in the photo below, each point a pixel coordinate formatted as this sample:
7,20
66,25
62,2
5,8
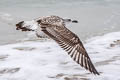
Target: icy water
25,57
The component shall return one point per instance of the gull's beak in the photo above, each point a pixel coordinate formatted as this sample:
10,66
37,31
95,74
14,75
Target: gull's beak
74,21
69,20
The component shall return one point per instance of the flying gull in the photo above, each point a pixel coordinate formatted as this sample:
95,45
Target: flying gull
55,27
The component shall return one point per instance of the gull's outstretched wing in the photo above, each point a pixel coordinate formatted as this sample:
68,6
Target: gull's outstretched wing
70,43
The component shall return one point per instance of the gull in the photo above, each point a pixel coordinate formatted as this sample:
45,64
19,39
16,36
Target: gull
54,27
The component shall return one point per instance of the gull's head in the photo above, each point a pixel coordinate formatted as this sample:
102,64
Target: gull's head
27,25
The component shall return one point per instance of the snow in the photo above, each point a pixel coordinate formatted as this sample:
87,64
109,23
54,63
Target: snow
45,60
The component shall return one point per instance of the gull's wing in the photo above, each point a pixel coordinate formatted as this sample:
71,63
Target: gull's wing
70,43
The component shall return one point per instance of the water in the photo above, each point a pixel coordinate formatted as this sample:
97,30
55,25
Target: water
25,58
45,60
95,17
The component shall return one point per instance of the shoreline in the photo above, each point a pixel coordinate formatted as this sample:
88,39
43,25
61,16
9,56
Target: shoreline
31,57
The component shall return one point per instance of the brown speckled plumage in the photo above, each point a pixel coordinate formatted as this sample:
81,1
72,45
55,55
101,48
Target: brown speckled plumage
54,27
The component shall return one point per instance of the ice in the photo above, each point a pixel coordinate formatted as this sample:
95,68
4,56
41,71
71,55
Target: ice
45,60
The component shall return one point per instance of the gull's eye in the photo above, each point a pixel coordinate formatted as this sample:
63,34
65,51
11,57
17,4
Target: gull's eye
69,19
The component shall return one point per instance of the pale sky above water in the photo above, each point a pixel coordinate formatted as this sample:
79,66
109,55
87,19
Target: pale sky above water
95,17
